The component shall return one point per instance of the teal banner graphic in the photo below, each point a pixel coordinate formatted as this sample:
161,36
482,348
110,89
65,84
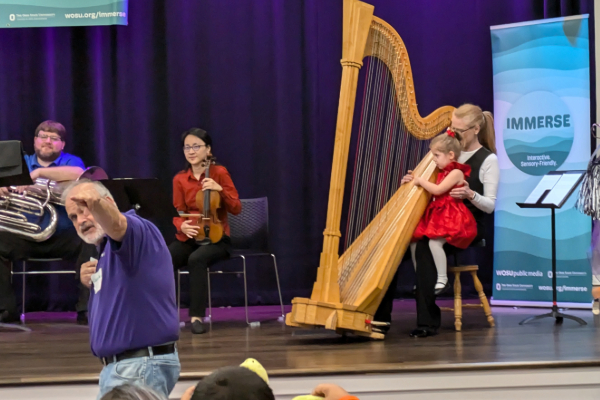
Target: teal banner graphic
46,13
542,120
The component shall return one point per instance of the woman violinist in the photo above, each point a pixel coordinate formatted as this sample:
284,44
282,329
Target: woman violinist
186,251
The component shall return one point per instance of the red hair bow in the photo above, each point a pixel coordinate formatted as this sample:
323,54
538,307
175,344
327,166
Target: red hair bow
450,133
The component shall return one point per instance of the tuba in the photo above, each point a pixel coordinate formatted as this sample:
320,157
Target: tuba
37,200
380,214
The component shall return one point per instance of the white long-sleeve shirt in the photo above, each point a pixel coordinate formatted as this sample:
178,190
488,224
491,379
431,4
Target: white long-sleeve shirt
489,175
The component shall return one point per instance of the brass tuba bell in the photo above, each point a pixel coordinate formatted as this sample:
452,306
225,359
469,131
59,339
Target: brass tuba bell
37,200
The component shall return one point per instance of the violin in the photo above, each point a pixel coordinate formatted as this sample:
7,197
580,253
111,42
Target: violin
208,202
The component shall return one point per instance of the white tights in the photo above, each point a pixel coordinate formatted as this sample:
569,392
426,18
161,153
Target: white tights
439,258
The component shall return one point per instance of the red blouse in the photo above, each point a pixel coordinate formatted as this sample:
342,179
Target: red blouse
185,187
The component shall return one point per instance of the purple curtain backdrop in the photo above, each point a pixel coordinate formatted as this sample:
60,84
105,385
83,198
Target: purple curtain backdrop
262,77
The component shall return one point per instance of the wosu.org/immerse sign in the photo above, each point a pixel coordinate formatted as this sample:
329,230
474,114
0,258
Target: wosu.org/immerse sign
49,13
542,109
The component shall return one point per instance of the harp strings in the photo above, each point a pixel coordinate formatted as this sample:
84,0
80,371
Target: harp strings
385,151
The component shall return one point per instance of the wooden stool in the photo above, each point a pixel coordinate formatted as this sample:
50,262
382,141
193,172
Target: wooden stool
458,295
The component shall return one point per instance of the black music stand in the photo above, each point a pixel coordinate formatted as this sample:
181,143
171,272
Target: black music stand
13,168
552,192
13,172
145,196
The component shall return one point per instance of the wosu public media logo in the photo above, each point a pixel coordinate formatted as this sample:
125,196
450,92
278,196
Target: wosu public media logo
538,133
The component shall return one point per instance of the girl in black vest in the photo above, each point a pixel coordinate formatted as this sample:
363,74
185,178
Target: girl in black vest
476,129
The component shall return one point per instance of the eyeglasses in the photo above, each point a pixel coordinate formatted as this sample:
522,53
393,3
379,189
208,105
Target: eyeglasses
196,147
52,138
460,131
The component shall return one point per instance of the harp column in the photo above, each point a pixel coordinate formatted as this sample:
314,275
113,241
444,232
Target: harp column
357,22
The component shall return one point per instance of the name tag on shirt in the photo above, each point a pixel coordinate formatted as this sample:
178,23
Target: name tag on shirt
96,278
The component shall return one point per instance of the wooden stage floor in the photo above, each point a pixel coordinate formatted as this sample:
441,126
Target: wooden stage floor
57,350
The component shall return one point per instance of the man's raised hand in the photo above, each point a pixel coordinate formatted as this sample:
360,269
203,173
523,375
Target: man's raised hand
87,196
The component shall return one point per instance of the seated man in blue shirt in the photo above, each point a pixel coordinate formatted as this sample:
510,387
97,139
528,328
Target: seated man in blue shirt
133,315
50,162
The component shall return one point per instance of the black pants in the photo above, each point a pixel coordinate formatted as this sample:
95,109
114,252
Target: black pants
63,244
429,315
198,259
384,312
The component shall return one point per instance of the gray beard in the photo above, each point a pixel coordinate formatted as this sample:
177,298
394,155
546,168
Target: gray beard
93,239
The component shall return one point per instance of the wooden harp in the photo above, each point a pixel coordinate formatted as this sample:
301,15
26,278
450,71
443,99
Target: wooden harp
388,142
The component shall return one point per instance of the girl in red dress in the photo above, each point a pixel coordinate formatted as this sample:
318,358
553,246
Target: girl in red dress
446,219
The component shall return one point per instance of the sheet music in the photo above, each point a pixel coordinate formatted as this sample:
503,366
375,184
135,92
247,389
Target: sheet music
547,183
562,188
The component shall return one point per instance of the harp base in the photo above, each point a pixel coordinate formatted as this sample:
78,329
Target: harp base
339,317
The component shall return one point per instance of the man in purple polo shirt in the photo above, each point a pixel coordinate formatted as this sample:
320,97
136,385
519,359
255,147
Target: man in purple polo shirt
51,162
132,311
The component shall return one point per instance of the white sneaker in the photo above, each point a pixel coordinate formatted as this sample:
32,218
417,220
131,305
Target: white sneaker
596,307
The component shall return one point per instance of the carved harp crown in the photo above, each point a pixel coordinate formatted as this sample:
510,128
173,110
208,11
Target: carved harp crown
391,137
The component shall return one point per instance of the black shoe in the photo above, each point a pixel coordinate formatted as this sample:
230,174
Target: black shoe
442,290
198,327
82,318
422,333
8,317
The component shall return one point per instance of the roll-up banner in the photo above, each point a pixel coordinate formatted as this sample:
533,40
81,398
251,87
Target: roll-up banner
46,13
542,120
